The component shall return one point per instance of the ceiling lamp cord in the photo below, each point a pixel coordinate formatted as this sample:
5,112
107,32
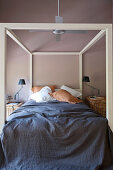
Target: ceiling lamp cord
58,7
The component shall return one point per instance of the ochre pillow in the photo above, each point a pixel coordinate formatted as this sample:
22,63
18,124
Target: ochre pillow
38,88
64,96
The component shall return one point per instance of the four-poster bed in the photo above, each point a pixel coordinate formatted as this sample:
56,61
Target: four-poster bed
57,134
105,29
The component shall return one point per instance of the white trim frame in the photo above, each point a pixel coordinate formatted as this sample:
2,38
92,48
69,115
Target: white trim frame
80,71
12,35
104,28
93,41
55,53
31,70
2,75
109,77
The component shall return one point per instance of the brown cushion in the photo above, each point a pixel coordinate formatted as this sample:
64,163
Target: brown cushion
38,88
63,95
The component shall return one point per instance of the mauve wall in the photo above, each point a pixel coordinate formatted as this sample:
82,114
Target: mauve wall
88,11
73,11
94,65
17,66
59,70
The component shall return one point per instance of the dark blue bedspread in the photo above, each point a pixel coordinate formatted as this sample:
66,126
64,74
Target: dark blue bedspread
56,136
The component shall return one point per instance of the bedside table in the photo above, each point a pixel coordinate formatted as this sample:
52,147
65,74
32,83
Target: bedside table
98,104
10,107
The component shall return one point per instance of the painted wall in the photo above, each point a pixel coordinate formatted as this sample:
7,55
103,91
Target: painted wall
94,66
17,66
58,70
73,11
88,11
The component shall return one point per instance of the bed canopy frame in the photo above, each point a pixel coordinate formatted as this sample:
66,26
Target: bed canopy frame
105,29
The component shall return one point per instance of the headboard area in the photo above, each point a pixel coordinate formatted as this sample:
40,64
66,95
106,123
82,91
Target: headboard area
56,69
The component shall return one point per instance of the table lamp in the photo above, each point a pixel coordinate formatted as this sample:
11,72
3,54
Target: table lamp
86,79
20,82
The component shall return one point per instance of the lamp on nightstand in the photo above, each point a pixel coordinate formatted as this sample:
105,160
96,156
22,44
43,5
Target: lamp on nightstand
86,79
20,82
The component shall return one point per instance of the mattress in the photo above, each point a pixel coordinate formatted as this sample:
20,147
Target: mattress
56,136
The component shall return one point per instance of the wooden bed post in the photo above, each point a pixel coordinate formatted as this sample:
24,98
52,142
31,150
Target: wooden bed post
109,77
80,72
2,75
61,26
55,53
93,41
14,37
31,70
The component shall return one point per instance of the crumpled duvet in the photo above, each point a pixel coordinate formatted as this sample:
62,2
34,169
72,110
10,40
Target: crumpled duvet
56,136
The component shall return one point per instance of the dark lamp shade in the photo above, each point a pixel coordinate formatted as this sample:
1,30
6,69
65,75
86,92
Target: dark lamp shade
21,82
86,79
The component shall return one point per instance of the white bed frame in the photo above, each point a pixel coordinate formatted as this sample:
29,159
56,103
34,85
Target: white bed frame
105,29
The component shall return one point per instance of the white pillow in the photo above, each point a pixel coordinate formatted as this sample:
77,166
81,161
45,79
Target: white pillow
73,92
42,95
